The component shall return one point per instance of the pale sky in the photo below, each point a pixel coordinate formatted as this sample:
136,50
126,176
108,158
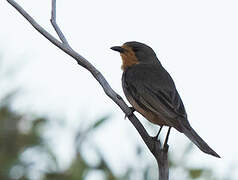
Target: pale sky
196,41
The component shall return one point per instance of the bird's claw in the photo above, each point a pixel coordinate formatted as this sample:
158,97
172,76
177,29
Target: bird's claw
132,111
154,138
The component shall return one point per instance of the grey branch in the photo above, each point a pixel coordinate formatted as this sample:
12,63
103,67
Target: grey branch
160,153
55,25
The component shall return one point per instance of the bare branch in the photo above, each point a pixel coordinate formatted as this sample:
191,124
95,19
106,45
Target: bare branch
160,153
55,25
34,23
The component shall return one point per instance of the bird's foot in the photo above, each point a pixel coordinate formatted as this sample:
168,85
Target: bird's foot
131,113
154,138
165,147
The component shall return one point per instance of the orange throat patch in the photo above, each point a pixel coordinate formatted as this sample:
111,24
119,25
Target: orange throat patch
128,57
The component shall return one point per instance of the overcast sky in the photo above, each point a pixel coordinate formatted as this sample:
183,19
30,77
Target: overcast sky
196,41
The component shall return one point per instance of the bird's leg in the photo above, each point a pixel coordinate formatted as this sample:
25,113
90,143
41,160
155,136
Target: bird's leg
157,135
166,139
132,110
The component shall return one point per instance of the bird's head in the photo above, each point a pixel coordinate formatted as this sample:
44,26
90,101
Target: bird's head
133,53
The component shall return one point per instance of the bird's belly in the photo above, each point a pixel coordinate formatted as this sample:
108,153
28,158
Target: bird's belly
150,116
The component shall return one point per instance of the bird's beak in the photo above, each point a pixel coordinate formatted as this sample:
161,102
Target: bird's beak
118,49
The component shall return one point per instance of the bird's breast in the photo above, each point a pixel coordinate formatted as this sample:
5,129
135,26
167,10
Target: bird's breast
128,58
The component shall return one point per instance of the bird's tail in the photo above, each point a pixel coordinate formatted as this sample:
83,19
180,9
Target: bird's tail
196,139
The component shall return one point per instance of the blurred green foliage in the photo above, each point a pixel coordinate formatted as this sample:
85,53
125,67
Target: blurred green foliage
25,153
22,134
16,140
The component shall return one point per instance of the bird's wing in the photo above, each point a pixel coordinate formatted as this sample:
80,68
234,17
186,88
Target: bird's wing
153,88
165,101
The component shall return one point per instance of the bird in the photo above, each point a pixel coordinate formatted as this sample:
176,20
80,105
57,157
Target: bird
151,91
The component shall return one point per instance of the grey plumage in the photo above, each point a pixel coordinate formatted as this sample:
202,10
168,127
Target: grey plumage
152,92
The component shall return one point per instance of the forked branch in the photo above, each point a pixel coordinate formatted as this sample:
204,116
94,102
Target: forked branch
55,25
160,153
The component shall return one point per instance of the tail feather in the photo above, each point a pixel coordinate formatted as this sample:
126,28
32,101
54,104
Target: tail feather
198,141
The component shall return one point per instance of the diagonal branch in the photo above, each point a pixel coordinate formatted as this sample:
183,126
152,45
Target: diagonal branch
55,25
160,153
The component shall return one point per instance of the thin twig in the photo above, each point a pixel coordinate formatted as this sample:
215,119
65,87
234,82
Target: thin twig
55,25
160,154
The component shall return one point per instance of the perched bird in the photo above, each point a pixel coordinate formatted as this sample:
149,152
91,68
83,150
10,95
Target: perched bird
151,91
